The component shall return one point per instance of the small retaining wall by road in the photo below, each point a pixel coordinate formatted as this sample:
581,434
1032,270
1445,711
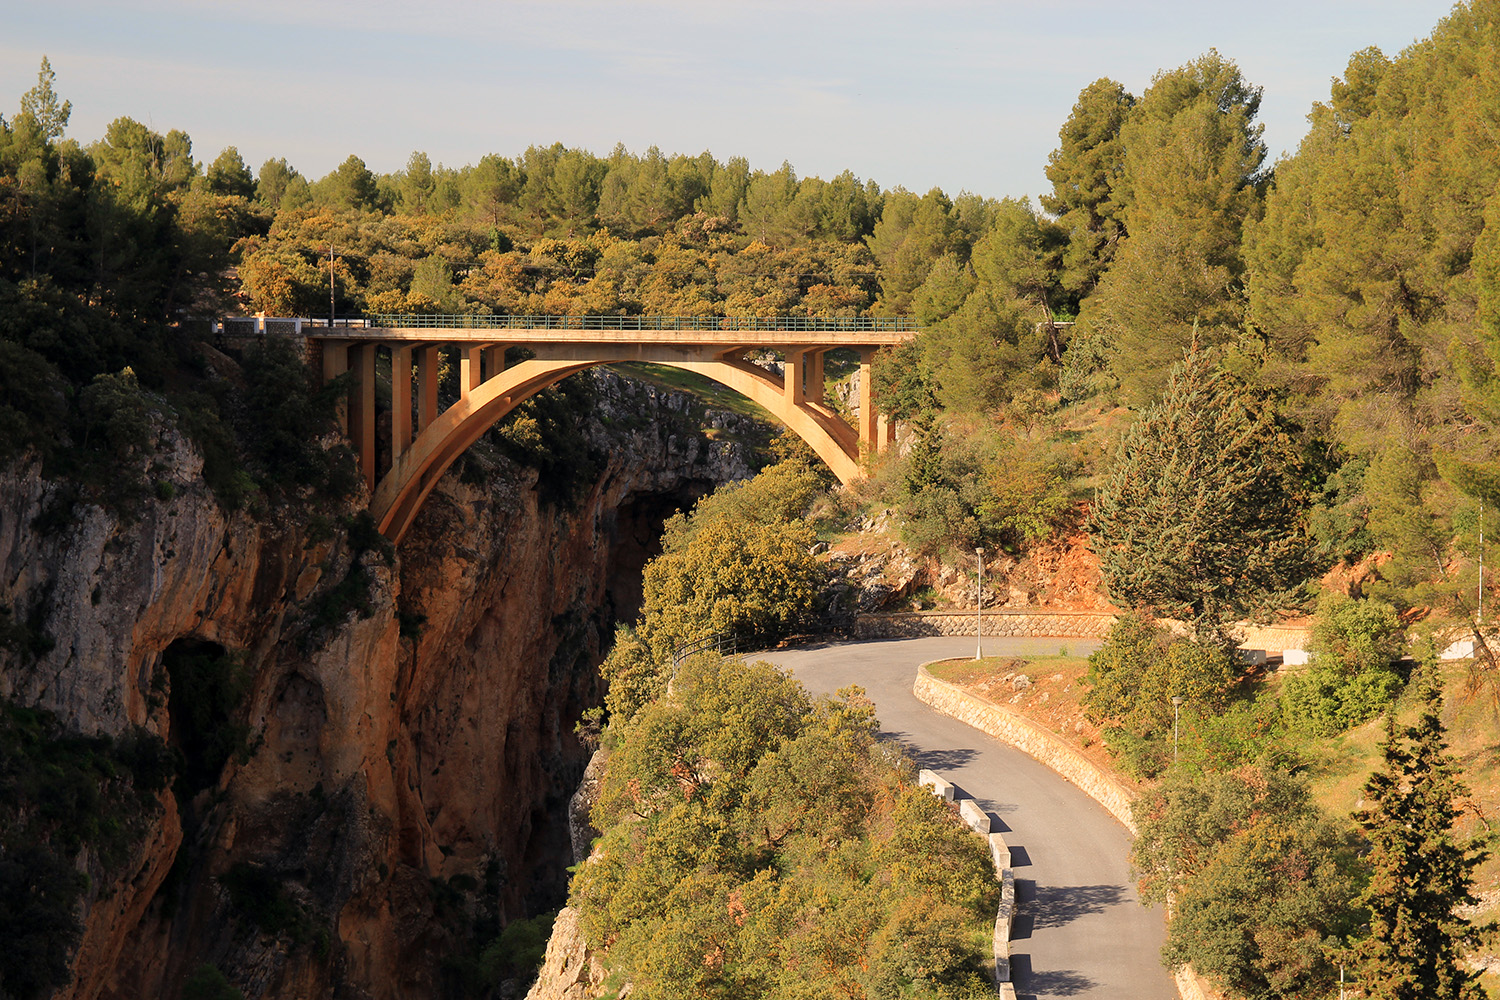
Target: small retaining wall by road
979,821
1030,739
997,622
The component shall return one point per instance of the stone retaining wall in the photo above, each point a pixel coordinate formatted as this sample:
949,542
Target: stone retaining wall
997,622
1029,738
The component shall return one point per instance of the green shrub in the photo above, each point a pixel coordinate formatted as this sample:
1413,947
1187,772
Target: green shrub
260,895
518,952
208,983
59,794
117,415
1351,678
746,578
1326,701
34,409
285,411
1135,675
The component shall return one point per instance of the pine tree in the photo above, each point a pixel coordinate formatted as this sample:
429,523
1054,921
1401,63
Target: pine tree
40,102
1084,171
1420,873
1200,516
1189,179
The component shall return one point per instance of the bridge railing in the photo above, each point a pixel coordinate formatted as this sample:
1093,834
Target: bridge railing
828,624
810,324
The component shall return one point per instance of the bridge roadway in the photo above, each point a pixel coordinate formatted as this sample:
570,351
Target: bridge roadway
1080,930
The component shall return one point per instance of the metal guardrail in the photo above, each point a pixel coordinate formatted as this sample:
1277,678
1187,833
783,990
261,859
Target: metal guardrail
811,324
723,643
731,643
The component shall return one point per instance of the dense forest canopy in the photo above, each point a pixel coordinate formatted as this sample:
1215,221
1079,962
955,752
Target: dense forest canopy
1352,287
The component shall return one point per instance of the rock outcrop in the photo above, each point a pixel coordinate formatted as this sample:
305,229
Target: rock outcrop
404,787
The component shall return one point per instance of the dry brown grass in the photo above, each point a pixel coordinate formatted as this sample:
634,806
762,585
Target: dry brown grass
1052,700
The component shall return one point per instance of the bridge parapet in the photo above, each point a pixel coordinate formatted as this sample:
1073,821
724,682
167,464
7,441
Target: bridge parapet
818,324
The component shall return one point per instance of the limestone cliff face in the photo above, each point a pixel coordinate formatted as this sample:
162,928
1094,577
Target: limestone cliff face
404,785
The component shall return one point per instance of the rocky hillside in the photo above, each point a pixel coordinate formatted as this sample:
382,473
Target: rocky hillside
376,746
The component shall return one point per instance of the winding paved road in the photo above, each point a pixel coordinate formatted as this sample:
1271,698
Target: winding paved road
1080,931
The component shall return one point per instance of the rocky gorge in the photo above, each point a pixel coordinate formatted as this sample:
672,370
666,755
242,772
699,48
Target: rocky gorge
379,744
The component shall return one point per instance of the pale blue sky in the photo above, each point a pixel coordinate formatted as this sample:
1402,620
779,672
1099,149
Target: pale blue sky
958,95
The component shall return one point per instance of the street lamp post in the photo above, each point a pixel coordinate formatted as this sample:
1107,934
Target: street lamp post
979,610
1176,717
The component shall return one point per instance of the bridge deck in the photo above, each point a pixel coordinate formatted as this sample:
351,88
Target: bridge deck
544,335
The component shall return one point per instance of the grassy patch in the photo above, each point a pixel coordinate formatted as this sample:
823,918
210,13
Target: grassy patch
967,672
713,394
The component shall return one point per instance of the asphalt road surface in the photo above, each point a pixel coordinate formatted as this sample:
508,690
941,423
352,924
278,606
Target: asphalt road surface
1080,931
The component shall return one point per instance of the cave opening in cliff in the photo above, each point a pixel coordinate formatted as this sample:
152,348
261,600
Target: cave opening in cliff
635,539
207,684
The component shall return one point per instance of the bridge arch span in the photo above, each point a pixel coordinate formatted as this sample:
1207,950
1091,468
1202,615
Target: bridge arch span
561,346
415,472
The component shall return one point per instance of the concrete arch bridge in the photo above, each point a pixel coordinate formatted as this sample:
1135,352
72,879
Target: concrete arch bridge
425,441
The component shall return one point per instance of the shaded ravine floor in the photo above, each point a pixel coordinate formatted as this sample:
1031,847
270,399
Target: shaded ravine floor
1080,930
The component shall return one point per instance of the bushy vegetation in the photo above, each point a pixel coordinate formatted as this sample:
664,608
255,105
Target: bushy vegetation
1353,676
1266,895
1134,678
59,795
1261,887
760,842
263,898
739,564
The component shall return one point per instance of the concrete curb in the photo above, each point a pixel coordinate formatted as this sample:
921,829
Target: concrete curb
979,821
1046,748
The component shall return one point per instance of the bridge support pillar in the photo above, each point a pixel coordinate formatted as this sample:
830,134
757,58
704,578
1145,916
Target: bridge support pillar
815,376
400,400
469,374
868,418
791,376
335,363
494,360
362,419
886,438
429,358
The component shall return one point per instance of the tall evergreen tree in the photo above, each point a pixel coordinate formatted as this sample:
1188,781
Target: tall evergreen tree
41,103
1200,515
1085,170
1191,177
1421,874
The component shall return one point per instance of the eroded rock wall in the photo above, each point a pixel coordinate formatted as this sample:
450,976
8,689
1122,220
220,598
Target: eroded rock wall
409,762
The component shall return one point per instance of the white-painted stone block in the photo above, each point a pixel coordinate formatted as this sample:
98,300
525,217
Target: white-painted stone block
1460,650
999,853
940,787
977,818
